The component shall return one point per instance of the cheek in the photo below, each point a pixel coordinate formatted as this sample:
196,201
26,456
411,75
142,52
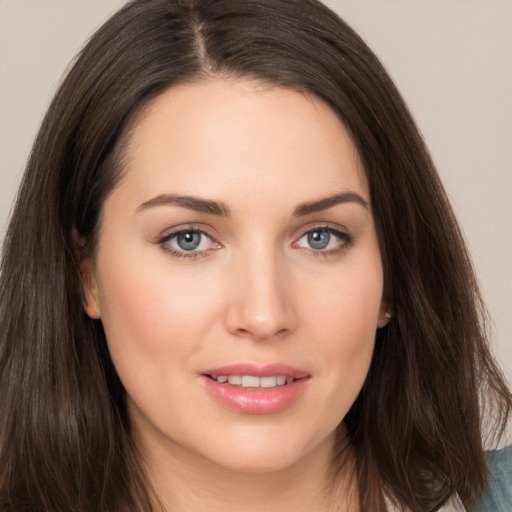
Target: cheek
346,333
151,316
343,323
347,302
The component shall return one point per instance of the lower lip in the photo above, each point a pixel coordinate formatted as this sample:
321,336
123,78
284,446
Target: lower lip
257,400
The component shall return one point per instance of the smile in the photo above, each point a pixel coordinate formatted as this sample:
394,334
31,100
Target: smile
253,389
252,381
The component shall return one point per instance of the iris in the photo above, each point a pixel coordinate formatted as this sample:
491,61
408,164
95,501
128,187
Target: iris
319,239
188,240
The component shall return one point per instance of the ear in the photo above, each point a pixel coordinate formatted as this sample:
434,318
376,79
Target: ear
385,315
90,289
91,302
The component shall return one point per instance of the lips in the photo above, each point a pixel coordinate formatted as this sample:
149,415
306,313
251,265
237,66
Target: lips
253,389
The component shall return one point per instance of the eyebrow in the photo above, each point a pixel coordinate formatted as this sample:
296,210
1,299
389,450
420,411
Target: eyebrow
222,209
191,202
329,202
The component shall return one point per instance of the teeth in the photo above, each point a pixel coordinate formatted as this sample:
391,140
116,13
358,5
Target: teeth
235,380
250,381
268,382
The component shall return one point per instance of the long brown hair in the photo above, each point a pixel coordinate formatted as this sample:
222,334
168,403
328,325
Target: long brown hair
416,427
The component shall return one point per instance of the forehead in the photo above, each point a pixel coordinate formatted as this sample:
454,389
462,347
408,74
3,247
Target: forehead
219,137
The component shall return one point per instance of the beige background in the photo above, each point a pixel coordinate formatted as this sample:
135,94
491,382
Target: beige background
452,59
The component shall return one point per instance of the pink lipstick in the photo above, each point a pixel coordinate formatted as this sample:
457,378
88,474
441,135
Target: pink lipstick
253,389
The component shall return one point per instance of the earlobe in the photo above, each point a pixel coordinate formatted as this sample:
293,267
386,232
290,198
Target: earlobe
385,315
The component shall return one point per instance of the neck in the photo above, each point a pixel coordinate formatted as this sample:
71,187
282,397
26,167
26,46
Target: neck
186,482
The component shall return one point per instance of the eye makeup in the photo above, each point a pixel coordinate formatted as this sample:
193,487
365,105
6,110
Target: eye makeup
193,242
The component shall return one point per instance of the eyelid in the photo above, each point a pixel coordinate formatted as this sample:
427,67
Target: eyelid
180,228
163,239
341,232
327,226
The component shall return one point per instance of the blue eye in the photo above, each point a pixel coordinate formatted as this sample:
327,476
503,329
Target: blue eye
186,242
324,239
318,239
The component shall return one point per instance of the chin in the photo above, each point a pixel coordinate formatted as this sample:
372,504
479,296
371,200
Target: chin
263,454
251,463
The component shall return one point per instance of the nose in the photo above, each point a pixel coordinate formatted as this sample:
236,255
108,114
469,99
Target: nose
260,305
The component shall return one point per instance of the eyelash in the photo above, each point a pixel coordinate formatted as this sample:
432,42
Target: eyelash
190,255
345,241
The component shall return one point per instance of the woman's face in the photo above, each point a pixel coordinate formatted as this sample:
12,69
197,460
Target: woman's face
239,245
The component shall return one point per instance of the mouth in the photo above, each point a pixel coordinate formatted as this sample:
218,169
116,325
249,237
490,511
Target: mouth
253,389
252,381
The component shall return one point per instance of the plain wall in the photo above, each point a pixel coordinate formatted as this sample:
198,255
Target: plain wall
452,60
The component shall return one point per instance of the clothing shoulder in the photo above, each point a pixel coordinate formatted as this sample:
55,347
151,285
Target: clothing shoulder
498,495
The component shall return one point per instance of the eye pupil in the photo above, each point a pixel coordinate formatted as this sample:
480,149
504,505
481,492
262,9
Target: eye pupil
189,240
319,239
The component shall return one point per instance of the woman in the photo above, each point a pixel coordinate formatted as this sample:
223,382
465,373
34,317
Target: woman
247,288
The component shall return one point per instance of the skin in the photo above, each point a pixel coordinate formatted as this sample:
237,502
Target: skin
255,290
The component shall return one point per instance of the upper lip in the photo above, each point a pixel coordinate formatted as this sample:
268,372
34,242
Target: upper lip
267,370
